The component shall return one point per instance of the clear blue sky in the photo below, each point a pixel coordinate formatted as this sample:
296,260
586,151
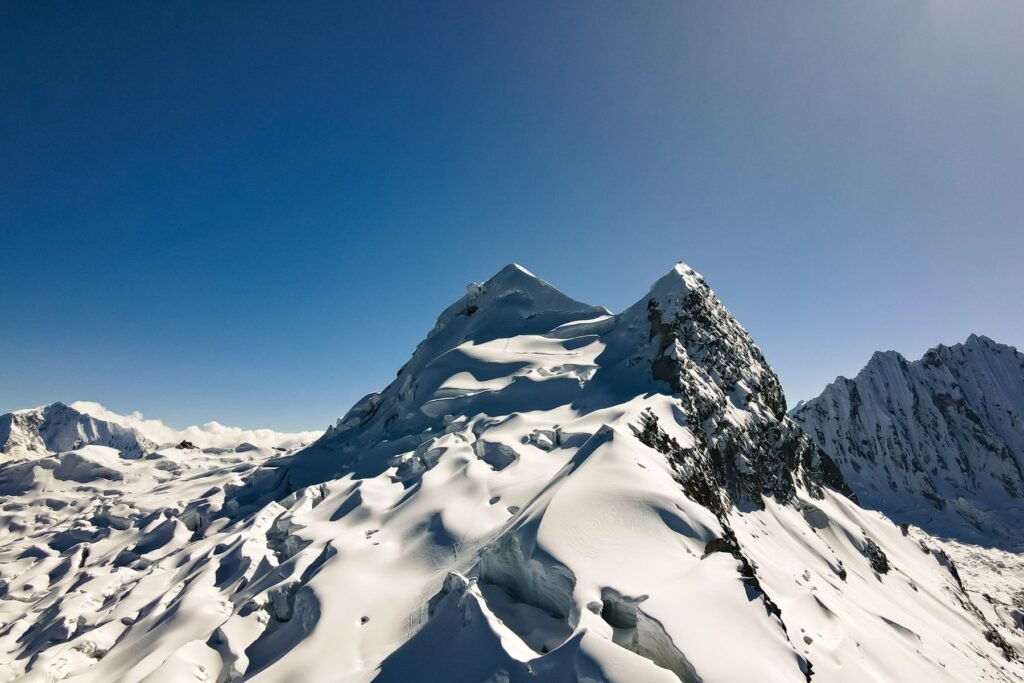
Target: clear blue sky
251,212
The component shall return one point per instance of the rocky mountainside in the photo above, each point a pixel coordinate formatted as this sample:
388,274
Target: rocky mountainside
937,442
546,491
56,427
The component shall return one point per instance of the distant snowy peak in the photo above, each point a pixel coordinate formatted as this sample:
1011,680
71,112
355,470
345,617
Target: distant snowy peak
935,441
57,427
211,435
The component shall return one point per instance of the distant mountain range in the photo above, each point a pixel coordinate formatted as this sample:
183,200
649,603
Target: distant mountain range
938,442
56,427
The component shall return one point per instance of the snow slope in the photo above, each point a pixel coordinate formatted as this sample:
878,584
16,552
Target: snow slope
546,491
937,442
994,579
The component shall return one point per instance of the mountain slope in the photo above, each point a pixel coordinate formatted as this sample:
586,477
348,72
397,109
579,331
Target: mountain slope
937,442
546,491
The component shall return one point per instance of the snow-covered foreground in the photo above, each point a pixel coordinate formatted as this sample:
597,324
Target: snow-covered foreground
89,543
546,492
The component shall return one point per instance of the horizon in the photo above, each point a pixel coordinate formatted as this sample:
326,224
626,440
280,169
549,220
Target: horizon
132,417
252,218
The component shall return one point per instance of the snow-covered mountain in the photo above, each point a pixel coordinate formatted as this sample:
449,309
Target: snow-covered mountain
207,435
545,492
56,427
937,442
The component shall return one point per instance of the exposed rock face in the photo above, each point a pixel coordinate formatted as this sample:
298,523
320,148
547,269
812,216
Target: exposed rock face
732,399
938,442
55,428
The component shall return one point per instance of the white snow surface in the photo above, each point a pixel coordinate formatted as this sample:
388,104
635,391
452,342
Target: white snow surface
546,492
993,577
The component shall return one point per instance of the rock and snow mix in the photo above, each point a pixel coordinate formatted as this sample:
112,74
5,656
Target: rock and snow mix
994,578
546,491
937,442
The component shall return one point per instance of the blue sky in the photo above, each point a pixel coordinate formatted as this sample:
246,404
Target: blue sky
252,212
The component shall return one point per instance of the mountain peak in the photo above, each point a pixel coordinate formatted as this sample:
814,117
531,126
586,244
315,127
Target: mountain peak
677,283
46,407
887,358
512,270
982,341
515,279
513,297
57,427
696,332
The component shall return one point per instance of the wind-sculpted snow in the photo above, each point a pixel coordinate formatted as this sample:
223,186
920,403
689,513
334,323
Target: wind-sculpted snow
937,442
546,492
